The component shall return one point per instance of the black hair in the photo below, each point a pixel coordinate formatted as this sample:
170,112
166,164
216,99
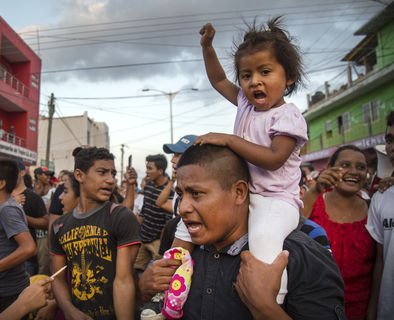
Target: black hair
9,172
307,165
274,37
335,155
159,160
73,182
28,181
390,119
67,173
85,158
221,162
64,171
302,179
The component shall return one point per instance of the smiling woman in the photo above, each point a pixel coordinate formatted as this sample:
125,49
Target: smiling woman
336,204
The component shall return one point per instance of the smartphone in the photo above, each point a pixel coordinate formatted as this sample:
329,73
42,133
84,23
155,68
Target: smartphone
130,161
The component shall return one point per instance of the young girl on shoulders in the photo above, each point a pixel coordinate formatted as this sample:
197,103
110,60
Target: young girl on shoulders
268,132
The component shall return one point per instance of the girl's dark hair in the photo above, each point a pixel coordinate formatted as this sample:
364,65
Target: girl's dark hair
73,182
274,37
335,155
28,181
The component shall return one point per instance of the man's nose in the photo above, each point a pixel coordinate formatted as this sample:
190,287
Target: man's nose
185,206
110,178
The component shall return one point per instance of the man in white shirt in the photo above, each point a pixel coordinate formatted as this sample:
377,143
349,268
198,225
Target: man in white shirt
381,228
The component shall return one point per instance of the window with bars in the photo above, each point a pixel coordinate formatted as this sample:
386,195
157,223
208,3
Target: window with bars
328,128
370,111
346,121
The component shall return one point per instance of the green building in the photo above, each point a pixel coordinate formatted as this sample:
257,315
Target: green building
355,113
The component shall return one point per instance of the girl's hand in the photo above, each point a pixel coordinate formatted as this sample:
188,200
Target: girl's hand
328,178
219,139
207,33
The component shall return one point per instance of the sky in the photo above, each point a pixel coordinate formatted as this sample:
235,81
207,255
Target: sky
98,56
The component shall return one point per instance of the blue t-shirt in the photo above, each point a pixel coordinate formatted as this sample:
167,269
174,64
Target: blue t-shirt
12,222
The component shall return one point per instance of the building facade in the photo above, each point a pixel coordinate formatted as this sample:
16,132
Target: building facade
67,134
355,113
20,76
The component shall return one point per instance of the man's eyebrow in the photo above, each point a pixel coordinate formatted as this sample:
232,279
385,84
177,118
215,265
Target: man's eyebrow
105,169
193,187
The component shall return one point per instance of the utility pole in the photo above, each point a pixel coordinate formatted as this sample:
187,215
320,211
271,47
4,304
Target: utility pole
121,162
51,111
170,96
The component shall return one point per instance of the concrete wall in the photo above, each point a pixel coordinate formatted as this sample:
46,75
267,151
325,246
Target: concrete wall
67,134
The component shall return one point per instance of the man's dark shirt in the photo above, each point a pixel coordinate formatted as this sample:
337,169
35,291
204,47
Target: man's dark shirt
155,217
315,285
33,207
56,206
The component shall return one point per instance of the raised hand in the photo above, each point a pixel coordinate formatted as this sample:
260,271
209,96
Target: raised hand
131,176
207,33
328,178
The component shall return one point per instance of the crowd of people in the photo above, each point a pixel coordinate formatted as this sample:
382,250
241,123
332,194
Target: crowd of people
240,230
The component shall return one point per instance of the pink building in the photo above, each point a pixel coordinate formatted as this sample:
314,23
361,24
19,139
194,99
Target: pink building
20,75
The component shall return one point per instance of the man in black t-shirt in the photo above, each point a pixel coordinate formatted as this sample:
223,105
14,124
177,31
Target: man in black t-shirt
34,208
98,242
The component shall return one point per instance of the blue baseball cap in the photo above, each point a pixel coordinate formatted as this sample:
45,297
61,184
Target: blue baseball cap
181,146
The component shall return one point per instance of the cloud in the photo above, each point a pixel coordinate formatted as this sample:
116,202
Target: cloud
96,33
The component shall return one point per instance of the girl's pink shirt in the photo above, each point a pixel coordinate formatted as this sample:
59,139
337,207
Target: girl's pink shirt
260,127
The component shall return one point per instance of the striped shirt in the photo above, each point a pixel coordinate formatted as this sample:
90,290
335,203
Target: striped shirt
155,218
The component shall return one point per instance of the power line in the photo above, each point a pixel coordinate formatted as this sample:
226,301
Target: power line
334,8
127,97
214,14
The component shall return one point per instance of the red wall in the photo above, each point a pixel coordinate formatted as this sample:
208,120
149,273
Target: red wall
30,103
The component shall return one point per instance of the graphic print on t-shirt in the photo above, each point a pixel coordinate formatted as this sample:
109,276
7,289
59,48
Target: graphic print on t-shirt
82,245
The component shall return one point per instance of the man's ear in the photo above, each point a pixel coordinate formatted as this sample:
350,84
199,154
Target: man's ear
79,175
241,190
2,184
